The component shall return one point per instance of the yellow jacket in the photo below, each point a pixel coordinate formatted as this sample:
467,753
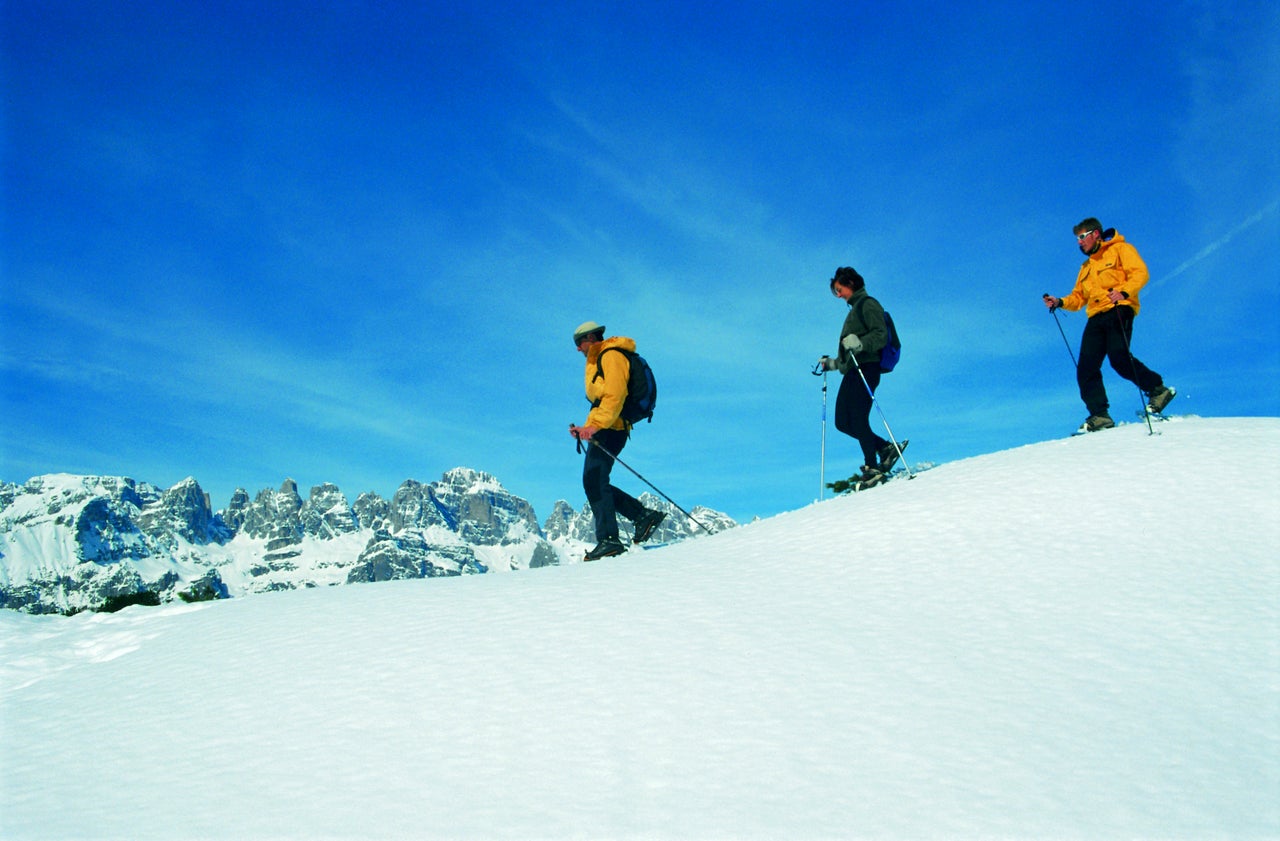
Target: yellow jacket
609,392
1115,265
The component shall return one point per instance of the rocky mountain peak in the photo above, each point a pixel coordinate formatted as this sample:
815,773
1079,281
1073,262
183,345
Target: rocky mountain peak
326,513
477,506
182,511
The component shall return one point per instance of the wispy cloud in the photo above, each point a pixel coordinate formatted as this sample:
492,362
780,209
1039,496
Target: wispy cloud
1208,250
197,363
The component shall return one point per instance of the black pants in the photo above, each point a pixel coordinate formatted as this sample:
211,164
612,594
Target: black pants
1109,335
606,500
853,411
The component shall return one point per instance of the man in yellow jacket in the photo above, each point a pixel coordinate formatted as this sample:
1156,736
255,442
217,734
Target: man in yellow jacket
1107,288
606,433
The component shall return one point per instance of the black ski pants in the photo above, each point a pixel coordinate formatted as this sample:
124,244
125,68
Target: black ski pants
606,500
1109,335
853,412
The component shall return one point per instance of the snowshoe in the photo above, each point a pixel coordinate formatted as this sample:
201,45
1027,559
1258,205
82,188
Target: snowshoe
606,548
876,477
889,454
1093,423
646,524
851,484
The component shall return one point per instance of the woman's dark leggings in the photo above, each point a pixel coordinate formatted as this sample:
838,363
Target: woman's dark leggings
853,412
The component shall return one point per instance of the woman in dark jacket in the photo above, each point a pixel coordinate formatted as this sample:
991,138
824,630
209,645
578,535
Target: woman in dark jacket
861,339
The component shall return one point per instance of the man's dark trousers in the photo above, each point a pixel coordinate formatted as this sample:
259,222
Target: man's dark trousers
606,500
1109,335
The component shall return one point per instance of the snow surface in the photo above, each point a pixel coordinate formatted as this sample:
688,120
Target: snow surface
1072,639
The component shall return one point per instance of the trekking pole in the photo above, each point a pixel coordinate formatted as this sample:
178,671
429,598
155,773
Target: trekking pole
1133,366
1054,311
875,402
822,463
646,481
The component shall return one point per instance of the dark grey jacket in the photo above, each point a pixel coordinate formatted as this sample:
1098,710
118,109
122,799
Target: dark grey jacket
872,332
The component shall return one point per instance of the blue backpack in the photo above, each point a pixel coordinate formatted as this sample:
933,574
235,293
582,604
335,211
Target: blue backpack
892,350
642,388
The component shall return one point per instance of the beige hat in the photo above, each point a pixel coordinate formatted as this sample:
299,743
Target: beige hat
586,328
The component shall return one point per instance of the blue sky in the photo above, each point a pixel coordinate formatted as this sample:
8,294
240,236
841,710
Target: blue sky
348,242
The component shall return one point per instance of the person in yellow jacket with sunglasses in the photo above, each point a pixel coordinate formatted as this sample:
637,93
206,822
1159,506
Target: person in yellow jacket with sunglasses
1107,289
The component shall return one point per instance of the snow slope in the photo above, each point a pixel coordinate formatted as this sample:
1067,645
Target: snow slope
1072,639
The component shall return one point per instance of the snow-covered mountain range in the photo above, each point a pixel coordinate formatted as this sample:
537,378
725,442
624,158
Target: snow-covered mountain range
71,543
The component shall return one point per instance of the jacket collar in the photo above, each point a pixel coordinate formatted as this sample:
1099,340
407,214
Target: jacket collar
593,354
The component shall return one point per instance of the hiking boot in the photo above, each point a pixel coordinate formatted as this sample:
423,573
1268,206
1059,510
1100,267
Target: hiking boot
646,524
606,548
1095,422
1160,398
888,456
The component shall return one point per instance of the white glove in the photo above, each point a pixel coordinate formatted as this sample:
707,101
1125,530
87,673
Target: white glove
851,343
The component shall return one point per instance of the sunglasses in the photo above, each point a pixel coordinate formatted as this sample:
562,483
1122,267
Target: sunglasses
1085,235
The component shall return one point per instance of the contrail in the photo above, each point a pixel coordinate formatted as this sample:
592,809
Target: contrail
1223,240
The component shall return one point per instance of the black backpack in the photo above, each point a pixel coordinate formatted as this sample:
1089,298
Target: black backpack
892,350
642,388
